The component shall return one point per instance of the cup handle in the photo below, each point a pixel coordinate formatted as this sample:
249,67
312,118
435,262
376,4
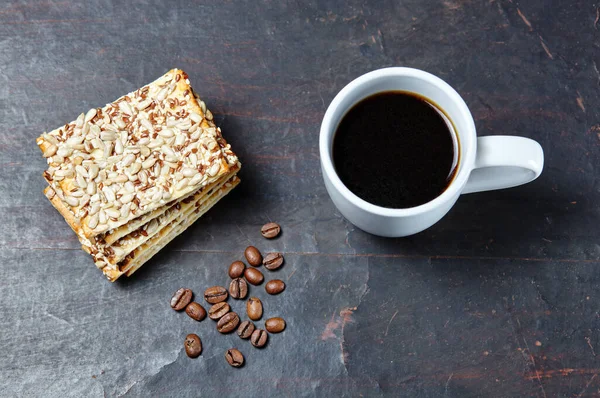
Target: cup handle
504,162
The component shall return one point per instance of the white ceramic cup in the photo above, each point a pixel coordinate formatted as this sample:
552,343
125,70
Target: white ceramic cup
486,163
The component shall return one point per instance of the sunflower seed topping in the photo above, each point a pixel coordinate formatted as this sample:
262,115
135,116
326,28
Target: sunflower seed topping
72,201
146,164
116,163
90,115
50,150
109,194
93,221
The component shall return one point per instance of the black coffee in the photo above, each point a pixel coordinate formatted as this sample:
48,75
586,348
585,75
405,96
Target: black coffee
394,149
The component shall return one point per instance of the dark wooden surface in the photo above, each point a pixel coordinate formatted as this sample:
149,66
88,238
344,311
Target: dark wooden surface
498,299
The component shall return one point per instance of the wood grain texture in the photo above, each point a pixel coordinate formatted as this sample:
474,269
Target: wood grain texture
498,299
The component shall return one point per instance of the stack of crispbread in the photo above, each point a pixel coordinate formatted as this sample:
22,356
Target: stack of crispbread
131,176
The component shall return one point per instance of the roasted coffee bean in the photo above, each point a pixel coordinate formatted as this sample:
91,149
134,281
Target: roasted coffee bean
254,308
195,311
254,276
234,357
193,345
181,299
228,323
218,310
275,286
270,230
259,338
273,261
275,325
253,256
245,329
215,294
236,269
238,288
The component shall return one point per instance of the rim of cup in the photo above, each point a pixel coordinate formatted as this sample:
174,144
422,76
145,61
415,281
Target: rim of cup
466,161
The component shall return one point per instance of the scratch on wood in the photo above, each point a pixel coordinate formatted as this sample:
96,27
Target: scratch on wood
524,19
589,343
381,41
57,318
597,18
447,384
537,373
546,49
406,379
338,289
390,322
533,364
477,314
451,5
243,234
565,372
518,334
320,96
580,101
51,21
587,385
293,272
347,242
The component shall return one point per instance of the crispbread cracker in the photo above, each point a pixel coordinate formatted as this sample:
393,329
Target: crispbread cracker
167,234
181,227
154,145
113,235
128,176
112,254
